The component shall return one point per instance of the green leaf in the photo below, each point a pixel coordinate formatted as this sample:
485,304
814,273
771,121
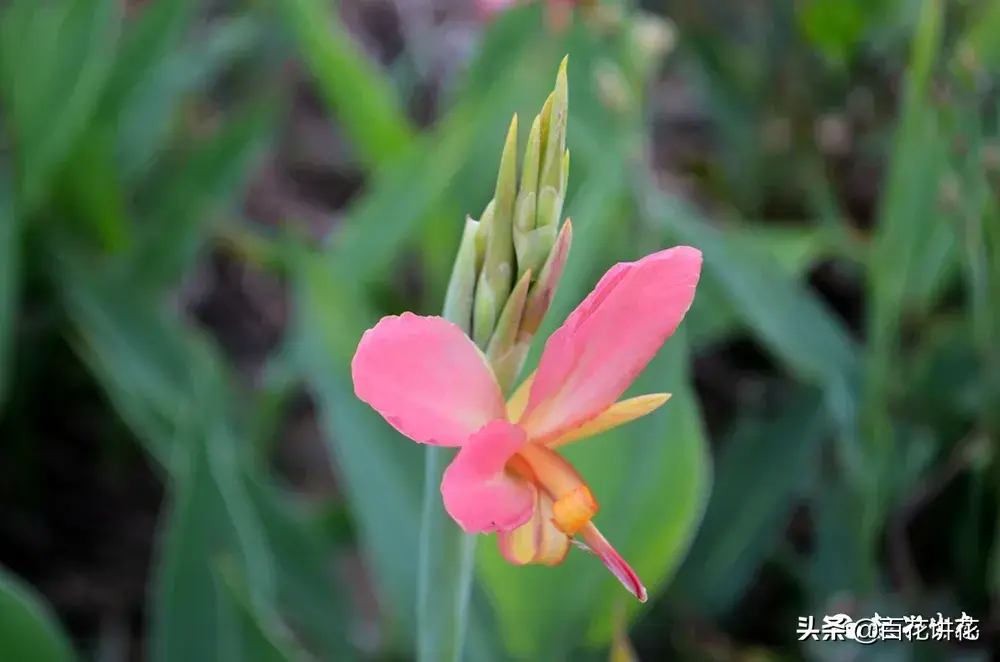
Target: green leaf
265,637
146,44
209,518
354,89
177,213
791,323
90,192
55,61
793,250
144,360
152,108
305,587
28,628
747,517
10,275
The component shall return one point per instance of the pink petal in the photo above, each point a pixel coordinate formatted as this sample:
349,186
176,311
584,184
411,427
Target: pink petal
605,343
427,379
477,493
597,544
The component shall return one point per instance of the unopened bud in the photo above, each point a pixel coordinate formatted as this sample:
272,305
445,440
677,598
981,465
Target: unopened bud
540,296
498,266
482,235
501,350
458,299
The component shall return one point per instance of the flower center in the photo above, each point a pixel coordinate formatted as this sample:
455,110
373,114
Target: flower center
573,503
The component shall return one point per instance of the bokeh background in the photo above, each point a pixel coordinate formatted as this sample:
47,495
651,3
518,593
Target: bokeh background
204,203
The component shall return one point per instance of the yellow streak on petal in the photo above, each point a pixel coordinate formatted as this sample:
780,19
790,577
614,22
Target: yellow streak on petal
619,413
538,541
518,401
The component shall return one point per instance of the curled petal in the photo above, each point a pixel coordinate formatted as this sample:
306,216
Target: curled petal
591,360
478,493
426,378
598,545
536,541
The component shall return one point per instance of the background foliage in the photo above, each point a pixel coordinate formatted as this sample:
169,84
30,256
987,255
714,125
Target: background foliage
203,206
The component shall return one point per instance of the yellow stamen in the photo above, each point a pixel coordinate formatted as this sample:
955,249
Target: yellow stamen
572,512
574,505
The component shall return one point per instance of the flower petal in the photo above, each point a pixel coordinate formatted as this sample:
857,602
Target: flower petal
619,413
536,541
477,492
598,545
591,360
426,378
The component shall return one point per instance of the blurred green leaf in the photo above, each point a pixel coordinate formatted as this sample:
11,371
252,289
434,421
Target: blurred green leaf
835,26
381,470
793,325
793,250
304,583
91,194
982,39
28,628
210,517
153,108
747,516
177,214
145,360
266,639
10,267
904,235
148,40
55,58
356,91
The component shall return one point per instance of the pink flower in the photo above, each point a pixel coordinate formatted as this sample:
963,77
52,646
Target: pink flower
431,383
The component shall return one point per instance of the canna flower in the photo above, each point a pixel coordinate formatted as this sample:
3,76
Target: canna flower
432,383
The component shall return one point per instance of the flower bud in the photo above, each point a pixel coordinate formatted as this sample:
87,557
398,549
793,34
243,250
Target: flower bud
458,299
501,350
498,265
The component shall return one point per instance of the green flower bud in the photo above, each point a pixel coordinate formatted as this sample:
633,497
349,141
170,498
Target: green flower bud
498,265
544,289
553,131
501,351
543,181
458,300
482,233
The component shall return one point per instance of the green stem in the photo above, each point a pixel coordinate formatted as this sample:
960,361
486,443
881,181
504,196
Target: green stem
446,570
446,561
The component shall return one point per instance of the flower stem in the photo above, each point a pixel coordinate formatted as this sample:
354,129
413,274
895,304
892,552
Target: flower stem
447,554
446,570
